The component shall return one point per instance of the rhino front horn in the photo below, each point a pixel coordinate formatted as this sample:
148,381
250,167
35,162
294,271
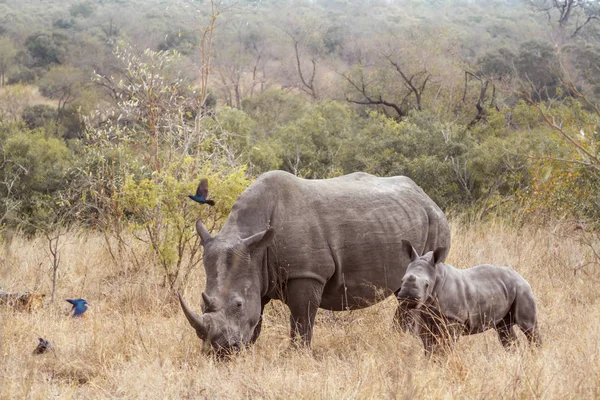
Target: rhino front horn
202,232
198,322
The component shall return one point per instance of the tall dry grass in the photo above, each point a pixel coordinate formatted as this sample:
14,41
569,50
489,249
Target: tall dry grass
135,342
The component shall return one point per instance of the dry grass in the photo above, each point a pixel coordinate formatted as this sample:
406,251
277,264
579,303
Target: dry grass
135,342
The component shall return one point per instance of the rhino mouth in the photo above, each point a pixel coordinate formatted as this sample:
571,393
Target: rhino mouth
224,353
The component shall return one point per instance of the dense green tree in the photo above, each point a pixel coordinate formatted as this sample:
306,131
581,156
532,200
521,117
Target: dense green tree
38,116
46,48
498,64
34,165
84,9
536,64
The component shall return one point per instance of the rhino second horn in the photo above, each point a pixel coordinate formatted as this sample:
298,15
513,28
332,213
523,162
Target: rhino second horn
198,322
202,232
209,302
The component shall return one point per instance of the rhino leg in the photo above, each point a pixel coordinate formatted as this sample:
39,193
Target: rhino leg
533,335
431,331
437,333
257,329
405,320
506,333
303,298
525,315
430,343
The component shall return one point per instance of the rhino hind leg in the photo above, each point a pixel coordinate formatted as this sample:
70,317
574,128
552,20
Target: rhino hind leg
533,335
526,316
303,298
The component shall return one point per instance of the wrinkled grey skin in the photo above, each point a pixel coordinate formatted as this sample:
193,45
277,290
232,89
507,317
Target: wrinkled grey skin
451,302
329,243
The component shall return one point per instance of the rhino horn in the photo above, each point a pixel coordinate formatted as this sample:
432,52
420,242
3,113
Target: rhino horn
209,302
198,322
202,232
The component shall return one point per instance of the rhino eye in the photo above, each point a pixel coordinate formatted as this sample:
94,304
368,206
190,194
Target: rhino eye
239,304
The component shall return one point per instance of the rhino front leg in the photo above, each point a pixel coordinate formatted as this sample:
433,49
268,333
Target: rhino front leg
257,329
506,333
303,298
405,320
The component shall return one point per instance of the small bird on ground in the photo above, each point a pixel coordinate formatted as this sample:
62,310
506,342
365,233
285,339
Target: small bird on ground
43,346
79,306
202,194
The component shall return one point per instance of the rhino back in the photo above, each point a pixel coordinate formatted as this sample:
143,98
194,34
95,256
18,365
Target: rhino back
344,232
481,295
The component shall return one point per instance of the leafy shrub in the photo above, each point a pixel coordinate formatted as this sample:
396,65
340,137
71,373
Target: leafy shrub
38,115
164,216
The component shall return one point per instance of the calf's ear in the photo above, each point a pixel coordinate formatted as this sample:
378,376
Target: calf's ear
409,250
439,255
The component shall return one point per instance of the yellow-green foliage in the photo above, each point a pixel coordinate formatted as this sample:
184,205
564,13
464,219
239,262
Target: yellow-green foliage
559,190
164,216
32,168
565,182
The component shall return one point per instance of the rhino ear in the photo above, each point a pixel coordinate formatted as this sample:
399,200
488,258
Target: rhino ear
439,255
259,240
409,250
203,232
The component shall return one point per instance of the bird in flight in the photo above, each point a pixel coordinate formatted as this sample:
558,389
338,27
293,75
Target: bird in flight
202,193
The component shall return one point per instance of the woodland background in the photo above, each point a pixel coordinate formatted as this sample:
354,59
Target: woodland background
112,110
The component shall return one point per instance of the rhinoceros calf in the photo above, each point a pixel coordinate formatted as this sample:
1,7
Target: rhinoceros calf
329,243
450,302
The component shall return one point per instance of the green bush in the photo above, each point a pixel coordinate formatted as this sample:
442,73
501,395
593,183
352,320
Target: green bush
38,115
164,216
33,174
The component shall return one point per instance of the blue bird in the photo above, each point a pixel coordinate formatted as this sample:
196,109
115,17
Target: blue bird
79,305
43,346
202,194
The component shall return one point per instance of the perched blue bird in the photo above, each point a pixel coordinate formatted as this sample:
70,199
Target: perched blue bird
202,194
79,305
43,346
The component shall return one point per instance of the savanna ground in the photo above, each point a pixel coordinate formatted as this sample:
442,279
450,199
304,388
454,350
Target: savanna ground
136,343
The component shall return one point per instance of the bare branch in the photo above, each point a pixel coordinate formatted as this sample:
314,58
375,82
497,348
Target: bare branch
370,100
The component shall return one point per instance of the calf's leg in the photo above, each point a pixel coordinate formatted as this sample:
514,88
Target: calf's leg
436,334
526,316
405,320
303,298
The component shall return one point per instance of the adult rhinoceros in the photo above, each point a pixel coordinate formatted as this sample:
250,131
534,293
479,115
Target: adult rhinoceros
329,243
